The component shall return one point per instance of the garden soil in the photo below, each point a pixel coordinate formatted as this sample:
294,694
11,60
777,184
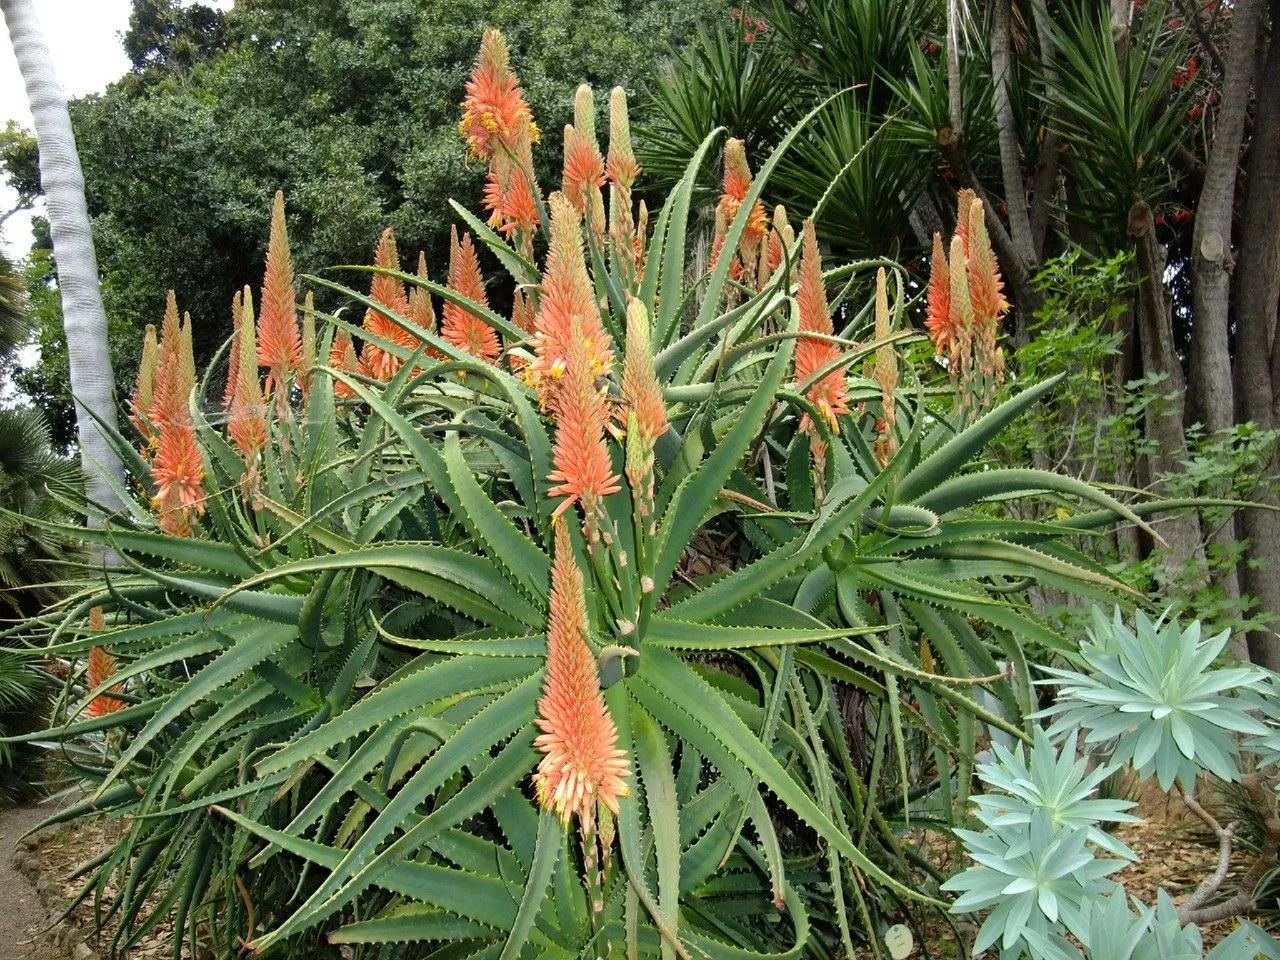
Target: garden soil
22,916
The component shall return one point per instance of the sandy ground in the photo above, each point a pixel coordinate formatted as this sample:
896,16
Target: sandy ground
22,918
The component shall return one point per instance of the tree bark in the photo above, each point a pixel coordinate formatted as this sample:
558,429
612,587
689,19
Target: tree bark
83,316
1211,256
1257,372
1164,421
1015,192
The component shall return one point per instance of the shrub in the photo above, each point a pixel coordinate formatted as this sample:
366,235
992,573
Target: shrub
648,537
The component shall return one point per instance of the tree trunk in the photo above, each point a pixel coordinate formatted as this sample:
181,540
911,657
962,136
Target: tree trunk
1211,258
1257,383
1165,425
83,316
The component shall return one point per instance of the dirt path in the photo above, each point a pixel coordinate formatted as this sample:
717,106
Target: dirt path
22,918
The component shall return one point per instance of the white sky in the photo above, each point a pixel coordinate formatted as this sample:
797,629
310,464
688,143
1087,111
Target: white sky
84,38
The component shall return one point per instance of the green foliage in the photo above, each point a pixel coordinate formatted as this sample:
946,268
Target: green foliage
1059,784
345,666
1036,876
350,107
1153,691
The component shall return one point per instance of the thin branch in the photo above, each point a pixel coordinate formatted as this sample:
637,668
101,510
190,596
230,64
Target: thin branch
1193,17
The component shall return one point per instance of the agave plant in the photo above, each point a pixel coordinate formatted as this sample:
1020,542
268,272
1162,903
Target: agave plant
506,633
1153,694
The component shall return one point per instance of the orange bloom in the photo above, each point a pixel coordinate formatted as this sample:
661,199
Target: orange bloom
233,359
581,762
737,182
102,667
567,304
247,424
144,387
829,393
622,167
781,238
494,112
938,313
986,288
178,470
498,127
965,200
583,169
640,388
646,410
279,347
168,395
308,343
388,291
342,356
583,469
886,374
462,328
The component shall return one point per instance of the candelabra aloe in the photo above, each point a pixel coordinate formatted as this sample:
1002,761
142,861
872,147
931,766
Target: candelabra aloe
389,617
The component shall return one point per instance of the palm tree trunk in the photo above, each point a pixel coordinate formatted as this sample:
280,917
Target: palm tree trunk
84,319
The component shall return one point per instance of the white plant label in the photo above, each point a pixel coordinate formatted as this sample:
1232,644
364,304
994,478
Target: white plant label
899,941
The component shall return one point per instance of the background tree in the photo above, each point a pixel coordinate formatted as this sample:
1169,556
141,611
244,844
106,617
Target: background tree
1143,130
349,106
83,316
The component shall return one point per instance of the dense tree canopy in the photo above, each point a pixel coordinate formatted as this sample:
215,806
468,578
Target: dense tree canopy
349,106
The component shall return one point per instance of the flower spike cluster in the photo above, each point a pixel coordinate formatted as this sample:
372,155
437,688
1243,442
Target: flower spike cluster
462,328
966,304
567,302
145,386
247,421
102,667
177,468
829,394
279,346
622,171
378,363
886,375
581,764
646,410
737,182
497,127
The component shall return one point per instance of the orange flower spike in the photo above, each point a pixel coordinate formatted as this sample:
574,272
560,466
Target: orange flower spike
737,181
986,288
178,471
144,387
187,357
308,359
247,425
279,346
965,200
567,298
233,358
462,328
420,310
168,398
938,312
622,166
646,410
494,112
960,315
581,762
886,373
342,356
583,468
583,170
781,238
389,292
640,388
828,394
102,667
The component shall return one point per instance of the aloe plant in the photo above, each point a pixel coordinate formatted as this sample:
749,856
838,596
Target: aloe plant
417,643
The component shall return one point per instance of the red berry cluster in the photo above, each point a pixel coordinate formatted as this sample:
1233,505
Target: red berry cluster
1186,73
